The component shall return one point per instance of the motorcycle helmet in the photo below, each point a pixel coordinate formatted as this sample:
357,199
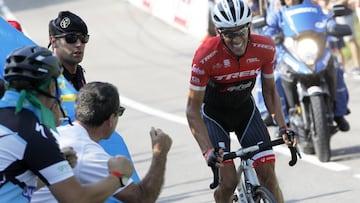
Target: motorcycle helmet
32,63
231,13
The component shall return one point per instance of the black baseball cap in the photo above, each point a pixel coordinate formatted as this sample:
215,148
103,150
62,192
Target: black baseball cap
67,22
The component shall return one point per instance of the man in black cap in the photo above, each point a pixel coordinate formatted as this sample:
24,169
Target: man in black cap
68,35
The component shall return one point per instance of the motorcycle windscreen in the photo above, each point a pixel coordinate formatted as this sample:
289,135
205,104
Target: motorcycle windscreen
303,18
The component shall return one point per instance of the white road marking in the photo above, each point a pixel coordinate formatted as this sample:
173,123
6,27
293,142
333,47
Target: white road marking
8,15
6,11
155,112
314,160
181,120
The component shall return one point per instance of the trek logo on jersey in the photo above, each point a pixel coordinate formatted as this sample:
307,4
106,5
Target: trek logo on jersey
240,74
28,192
264,46
208,57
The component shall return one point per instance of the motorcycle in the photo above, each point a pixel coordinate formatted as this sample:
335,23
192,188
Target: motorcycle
308,73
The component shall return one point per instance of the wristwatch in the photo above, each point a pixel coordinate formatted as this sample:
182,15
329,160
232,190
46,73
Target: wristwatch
122,178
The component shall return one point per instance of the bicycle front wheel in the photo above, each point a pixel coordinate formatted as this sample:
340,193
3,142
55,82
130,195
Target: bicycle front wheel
263,195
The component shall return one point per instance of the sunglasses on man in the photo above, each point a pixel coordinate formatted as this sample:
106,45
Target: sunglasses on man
71,38
231,34
119,112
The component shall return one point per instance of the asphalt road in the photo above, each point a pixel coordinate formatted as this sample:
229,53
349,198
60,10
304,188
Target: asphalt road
149,62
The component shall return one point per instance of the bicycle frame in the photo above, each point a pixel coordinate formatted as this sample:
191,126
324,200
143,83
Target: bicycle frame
248,180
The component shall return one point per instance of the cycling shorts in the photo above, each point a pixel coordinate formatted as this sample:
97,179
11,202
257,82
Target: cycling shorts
250,130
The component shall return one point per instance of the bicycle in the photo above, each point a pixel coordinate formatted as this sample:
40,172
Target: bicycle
249,189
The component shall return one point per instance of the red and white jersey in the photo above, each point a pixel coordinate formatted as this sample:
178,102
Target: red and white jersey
228,79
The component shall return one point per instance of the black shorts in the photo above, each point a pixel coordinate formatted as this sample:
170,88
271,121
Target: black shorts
246,123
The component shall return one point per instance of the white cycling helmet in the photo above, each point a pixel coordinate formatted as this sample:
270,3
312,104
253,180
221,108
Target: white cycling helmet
231,13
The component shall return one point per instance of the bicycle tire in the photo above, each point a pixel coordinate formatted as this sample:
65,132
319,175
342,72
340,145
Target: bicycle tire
263,195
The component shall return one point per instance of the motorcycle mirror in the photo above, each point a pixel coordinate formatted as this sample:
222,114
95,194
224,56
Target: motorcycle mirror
258,21
339,10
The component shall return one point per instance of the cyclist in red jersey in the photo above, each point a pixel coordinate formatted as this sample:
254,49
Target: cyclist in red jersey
224,71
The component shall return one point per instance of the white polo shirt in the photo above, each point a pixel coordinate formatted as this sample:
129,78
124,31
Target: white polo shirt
91,164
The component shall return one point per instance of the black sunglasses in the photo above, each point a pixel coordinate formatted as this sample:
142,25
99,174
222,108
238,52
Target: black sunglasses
119,112
242,32
71,38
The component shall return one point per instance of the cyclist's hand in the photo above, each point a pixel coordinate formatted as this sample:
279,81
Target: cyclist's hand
289,136
214,157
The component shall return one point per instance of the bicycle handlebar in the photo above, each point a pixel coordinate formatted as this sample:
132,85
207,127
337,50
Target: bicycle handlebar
248,152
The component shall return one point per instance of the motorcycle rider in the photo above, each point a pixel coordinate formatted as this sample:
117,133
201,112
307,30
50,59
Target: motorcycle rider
272,6
273,26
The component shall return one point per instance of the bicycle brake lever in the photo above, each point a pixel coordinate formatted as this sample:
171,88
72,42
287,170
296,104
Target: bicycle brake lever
294,155
215,182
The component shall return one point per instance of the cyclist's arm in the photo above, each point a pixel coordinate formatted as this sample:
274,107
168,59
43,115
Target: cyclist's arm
196,123
270,94
272,100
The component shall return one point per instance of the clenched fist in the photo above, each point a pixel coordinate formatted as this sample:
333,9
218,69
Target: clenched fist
161,142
